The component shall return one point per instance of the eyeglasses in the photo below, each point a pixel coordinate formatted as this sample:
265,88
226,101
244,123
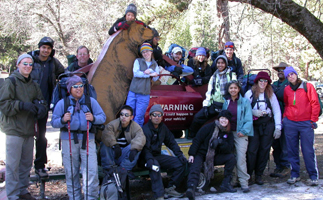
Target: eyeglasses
77,86
156,115
291,74
82,54
30,64
229,46
263,80
125,114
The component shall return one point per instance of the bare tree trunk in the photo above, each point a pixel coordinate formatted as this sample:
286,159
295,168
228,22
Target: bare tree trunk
224,33
296,16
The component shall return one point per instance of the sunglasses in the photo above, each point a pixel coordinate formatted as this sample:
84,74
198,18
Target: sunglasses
263,80
77,86
156,115
125,114
30,64
229,46
280,70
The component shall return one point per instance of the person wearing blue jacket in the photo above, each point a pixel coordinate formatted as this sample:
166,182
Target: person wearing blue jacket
77,115
242,127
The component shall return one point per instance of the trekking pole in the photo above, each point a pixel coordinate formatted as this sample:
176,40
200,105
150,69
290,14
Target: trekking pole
87,159
69,139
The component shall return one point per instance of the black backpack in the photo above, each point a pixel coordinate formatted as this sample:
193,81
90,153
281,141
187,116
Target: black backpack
320,101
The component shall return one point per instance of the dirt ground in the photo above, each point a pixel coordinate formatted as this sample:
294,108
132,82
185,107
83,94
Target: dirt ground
141,188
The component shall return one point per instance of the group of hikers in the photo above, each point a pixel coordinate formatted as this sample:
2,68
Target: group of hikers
244,125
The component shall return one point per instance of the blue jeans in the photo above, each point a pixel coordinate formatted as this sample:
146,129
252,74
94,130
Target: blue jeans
139,104
108,160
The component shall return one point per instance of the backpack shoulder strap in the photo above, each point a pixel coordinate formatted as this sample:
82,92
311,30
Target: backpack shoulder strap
268,102
88,102
66,103
305,86
13,81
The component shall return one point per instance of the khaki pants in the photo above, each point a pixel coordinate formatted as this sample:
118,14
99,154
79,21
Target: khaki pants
241,146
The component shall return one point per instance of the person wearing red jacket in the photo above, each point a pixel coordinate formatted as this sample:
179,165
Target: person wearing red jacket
302,109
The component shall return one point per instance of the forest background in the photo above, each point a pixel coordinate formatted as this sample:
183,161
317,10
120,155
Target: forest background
261,37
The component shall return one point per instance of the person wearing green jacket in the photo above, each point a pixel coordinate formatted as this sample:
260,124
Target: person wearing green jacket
279,146
21,104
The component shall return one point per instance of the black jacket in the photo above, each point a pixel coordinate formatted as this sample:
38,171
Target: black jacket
235,65
201,141
74,65
155,139
55,67
206,74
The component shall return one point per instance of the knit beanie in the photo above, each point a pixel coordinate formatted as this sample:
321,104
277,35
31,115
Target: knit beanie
224,58
24,56
229,45
262,75
156,108
46,41
225,113
145,46
132,8
156,34
200,51
288,70
72,81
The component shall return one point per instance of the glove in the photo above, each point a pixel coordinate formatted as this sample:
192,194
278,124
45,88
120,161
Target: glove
206,112
117,151
122,25
277,133
214,143
28,106
257,113
183,159
132,154
314,125
198,81
42,110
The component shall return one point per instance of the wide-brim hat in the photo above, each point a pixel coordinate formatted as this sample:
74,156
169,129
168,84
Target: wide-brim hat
262,75
281,65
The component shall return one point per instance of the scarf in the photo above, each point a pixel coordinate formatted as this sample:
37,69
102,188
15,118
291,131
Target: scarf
294,87
209,159
222,80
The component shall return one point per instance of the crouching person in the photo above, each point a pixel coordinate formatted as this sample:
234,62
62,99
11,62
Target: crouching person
213,145
20,106
122,142
157,133
73,124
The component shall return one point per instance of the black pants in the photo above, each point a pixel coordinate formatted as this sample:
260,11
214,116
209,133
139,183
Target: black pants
280,152
259,148
166,162
41,144
198,121
228,160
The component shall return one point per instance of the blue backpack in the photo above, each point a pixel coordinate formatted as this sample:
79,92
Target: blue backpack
60,91
247,82
172,46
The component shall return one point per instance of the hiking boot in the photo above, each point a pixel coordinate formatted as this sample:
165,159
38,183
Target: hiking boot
245,189
190,194
226,185
314,182
42,173
171,192
276,173
27,196
293,180
280,172
259,180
